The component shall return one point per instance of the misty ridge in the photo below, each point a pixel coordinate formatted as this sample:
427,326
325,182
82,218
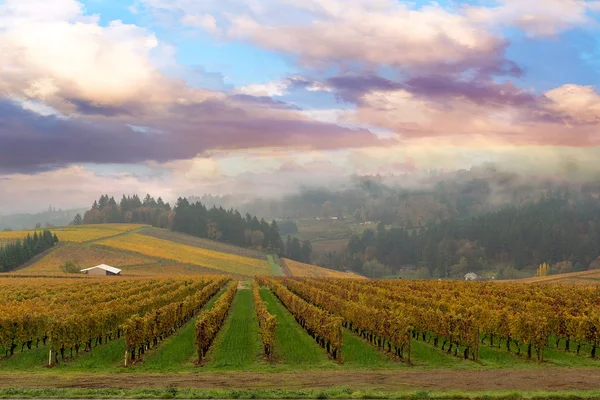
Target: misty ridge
411,200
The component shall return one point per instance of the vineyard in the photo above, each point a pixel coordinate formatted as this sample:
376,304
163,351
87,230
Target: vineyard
164,249
312,271
78,234
210,323
73,315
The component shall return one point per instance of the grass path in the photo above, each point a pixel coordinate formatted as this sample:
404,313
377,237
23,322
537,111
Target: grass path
177,352
238,344
293,345
275,267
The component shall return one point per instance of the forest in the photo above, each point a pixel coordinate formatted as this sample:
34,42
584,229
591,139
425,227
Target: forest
561,229
20,251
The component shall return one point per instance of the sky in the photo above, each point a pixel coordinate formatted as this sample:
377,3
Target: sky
245,97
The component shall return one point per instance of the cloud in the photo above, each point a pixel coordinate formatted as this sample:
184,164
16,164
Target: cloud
53,52
32,142
538,18
322,33
386,33
203,21
277,88
579,104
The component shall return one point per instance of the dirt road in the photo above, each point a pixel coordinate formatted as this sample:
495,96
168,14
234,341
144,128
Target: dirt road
534,379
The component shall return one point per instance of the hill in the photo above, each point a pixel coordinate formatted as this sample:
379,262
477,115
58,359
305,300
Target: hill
578,278
295,268
140,250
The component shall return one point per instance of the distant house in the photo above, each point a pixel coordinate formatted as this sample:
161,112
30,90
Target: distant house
471,276
101,270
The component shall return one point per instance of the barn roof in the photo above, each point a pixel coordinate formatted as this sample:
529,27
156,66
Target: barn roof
104,267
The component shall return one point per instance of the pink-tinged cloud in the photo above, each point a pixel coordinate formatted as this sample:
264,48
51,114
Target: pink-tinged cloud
537,18
500,113
378,33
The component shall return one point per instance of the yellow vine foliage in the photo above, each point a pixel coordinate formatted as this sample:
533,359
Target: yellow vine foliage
209,323
164,249
267,323
79,233
326,329
72,313
312,271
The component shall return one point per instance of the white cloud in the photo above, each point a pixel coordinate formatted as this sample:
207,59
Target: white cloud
203,21
539,17
51,51
275,88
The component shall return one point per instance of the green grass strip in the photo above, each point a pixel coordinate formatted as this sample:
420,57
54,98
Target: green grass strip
275,266
175,353
357,353
238,344
293,345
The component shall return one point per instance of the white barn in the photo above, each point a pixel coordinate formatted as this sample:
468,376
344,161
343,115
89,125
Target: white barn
101,270
471,276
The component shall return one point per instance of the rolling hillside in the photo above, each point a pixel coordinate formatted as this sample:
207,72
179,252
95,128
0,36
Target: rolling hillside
578,278
295,268
140,250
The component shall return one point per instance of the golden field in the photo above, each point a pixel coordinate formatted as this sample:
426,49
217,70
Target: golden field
164,249
578,278
77,234
86,257
312,271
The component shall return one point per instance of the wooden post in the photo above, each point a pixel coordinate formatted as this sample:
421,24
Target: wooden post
50,358
126,357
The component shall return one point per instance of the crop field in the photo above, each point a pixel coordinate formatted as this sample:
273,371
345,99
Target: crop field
352,335
308,270
573,278
78,234
208,244
181,253
85,257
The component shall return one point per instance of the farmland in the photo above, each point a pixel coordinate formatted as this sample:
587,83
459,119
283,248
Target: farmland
140,250
164,249
308,270
171,314
78,234
575,278
417,343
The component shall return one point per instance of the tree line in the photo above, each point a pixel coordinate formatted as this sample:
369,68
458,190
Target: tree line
560,229
20,251
195,218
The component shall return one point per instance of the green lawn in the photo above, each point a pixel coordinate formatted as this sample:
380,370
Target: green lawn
238,345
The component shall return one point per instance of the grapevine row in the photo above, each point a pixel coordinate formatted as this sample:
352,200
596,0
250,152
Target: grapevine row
209,323
323,327
145,332
381,327
267,323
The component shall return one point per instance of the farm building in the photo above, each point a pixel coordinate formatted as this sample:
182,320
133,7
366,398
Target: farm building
101,270
471,276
